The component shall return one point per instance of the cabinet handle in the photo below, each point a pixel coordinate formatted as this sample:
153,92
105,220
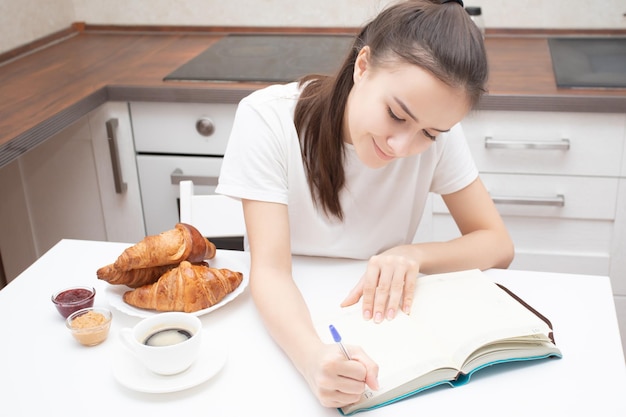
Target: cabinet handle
120,185
205,126
556,201
561,145
178,176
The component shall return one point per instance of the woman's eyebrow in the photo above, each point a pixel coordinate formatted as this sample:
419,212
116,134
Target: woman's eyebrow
407,111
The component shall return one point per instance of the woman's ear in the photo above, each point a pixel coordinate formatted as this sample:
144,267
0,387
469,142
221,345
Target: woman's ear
361,64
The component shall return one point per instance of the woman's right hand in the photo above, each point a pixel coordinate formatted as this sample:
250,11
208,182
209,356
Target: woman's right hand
334,380
337,381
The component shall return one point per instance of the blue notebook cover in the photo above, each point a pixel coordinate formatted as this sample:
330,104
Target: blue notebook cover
461,380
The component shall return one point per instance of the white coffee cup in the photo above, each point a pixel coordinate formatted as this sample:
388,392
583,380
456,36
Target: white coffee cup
166,343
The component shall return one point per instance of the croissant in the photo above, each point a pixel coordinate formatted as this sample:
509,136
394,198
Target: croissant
133,278
183,243
185,288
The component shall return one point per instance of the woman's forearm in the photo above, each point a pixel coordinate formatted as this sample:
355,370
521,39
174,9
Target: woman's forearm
285,314
481,249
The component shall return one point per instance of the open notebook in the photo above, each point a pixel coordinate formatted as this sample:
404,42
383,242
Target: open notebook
460,322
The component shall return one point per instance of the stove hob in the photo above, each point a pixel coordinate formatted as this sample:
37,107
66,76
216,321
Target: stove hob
589,62
266,58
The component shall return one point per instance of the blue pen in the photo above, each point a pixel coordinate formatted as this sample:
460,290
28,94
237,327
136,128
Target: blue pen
337,339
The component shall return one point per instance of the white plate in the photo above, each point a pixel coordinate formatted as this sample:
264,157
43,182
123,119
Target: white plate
129,372
114,293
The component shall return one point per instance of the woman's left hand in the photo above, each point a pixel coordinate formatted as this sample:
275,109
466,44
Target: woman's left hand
387,286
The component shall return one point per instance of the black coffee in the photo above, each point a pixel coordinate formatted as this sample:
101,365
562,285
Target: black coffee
167,337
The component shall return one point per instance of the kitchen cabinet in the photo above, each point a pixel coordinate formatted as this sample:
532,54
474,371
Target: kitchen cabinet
64,188
559,181
121,209
618,257
555,180
177,141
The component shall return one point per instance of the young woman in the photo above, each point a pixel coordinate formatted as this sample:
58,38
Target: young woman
342,166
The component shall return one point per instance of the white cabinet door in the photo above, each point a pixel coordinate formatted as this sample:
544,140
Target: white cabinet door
176,141
121,204
555,180
175,128
17,246
160,192
63,189
584,144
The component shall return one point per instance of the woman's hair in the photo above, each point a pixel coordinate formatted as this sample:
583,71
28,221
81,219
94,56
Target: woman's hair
439,38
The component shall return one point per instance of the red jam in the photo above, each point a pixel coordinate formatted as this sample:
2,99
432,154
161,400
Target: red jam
72,300
72,296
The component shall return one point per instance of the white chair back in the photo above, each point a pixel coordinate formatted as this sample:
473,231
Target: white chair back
213,215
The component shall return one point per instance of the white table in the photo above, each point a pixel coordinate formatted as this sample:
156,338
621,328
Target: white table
44,371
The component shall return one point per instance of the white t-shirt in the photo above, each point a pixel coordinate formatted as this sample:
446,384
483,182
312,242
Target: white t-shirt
382,207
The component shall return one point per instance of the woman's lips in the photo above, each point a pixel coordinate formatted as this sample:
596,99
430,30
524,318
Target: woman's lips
382,155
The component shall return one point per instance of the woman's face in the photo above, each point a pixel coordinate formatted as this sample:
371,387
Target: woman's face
397,111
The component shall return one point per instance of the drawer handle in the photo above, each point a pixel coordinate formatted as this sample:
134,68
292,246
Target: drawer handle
556,201
177,176
205,126
561,145
120,185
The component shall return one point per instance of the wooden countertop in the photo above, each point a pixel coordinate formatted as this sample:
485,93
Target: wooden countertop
46,90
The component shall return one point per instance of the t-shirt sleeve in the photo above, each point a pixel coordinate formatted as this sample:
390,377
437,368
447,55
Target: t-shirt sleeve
254,165
455,168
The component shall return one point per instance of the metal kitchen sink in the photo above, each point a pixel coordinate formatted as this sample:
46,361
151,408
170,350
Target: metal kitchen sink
589,62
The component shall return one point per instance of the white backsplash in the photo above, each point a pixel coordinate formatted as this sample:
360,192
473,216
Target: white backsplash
27,20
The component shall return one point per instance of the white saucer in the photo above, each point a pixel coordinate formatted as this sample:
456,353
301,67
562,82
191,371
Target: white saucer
129,372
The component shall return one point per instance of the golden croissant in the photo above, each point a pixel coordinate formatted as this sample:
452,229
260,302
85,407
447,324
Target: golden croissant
133,278
183,243
185,288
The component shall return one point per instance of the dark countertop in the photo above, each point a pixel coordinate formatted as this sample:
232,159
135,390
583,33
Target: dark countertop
46,90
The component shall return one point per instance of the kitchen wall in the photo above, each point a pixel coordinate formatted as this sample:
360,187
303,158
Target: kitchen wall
231,12
497,13
26,20
23,21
